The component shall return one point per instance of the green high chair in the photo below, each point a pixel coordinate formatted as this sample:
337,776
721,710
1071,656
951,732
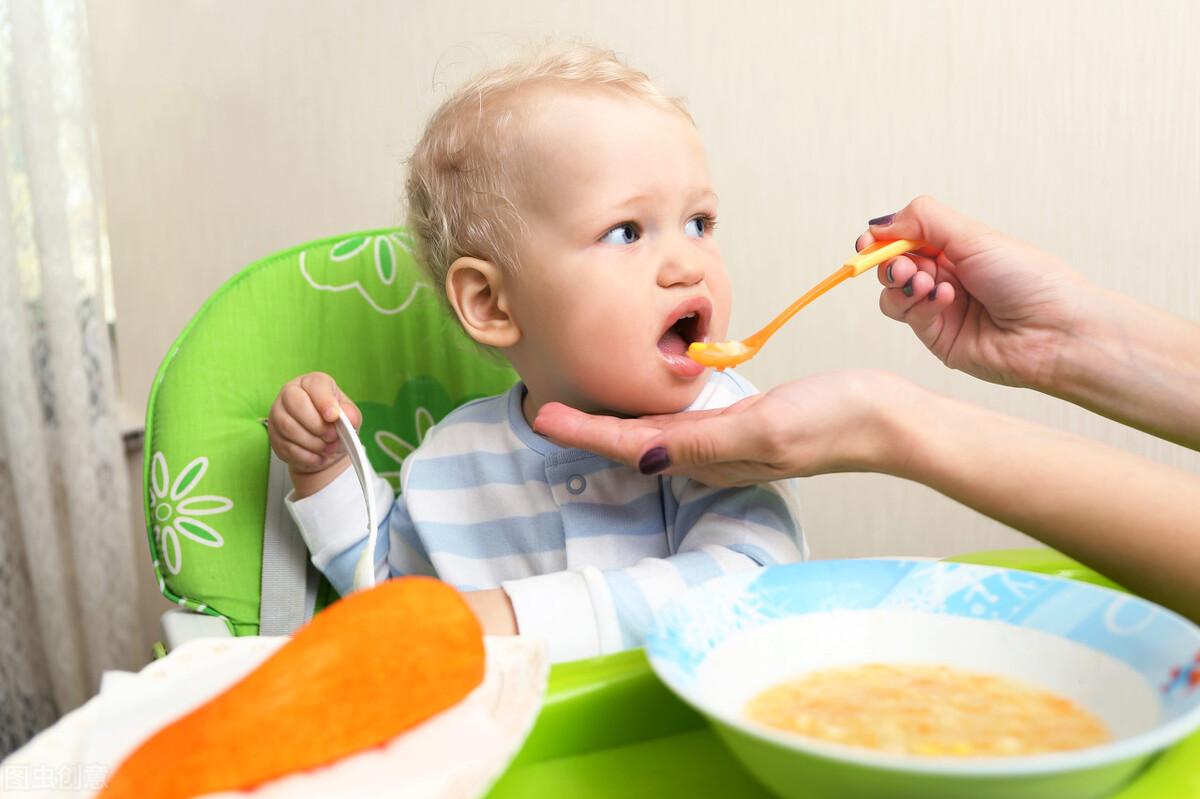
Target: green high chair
356,306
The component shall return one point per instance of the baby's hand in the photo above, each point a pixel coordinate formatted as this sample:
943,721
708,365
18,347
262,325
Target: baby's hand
301,428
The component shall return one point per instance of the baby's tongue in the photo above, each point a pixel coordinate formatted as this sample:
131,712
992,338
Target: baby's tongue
672,343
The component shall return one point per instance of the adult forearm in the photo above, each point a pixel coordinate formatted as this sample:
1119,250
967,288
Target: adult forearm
1135,364
1135,520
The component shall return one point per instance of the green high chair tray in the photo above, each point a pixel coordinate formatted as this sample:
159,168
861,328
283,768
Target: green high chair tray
609,727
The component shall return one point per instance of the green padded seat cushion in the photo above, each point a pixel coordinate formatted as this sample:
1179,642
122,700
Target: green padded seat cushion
354,306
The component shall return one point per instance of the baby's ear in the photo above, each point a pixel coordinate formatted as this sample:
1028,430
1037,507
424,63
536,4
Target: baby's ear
476,291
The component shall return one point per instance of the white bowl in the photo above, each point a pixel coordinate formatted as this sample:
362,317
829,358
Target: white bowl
720,644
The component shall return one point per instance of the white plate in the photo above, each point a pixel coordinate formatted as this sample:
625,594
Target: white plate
457,753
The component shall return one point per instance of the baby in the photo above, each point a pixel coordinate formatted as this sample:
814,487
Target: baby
564,206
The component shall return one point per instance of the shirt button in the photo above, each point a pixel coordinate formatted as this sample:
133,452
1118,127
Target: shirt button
576,484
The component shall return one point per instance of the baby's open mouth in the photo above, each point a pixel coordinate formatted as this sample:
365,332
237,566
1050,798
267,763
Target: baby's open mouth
688,322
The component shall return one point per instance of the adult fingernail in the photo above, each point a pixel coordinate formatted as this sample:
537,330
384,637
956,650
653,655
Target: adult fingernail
654,461
889,274
880,221
907,288
933,292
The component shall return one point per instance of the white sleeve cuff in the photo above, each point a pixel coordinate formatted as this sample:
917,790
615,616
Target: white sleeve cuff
335,518
560,609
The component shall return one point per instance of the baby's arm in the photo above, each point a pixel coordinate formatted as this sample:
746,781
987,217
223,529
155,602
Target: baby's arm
759,522
715,531
326,501
333,523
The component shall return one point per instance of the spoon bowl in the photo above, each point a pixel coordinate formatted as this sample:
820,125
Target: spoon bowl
724,354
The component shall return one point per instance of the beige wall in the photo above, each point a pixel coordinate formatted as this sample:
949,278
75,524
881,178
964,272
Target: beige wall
229,130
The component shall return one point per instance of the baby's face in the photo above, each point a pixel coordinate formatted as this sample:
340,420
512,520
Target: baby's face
618,268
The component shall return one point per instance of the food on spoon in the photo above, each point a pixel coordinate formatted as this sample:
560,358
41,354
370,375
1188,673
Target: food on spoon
720,354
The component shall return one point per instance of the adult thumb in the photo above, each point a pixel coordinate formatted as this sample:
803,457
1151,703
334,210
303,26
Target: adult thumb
932,221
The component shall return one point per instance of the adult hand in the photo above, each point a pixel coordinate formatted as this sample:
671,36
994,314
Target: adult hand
984,303
1005,311
834,422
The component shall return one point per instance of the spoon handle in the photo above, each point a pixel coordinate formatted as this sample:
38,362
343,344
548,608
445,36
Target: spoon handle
364,570
870,257
825,285
879,252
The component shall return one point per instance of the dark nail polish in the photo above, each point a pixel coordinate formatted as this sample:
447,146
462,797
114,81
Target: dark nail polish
880,221
933,292
889,274
907,288
654,461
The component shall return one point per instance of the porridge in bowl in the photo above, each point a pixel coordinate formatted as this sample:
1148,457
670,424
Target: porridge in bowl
923,709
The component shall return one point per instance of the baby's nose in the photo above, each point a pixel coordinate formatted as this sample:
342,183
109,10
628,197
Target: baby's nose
677,270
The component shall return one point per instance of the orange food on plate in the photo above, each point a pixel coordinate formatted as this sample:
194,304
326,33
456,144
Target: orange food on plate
366,669
927,710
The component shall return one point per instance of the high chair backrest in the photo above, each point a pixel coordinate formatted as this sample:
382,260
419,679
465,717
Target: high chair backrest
354,306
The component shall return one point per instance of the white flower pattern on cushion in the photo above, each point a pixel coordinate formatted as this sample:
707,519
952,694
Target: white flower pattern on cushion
398,449
375,285
174,512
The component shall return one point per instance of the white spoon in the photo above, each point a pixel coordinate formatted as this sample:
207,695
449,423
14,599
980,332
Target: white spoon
364,570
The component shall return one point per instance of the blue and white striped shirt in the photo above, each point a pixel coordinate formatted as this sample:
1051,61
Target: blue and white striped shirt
585,548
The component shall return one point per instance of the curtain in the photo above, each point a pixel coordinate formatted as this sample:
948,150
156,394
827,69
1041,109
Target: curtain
67,590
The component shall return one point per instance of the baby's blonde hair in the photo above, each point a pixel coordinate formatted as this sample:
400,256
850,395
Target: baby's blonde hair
460,193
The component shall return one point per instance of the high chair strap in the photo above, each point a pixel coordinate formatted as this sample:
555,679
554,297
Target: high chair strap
289,580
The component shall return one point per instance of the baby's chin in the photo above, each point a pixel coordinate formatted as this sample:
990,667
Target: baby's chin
645,400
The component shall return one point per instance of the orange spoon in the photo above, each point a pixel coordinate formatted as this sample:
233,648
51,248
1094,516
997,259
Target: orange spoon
723,354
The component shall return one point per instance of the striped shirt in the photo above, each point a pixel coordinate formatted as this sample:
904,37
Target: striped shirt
585,548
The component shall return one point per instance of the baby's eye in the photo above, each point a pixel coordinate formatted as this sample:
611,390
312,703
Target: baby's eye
622,234
697,226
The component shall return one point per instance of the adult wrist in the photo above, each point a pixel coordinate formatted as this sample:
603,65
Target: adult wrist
898,408
1082,357
911,423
